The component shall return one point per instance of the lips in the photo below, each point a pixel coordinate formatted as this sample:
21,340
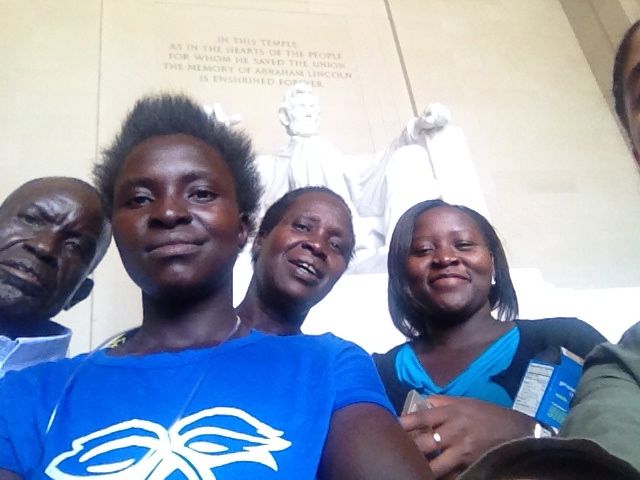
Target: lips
449,277
174,247
306,269
24,275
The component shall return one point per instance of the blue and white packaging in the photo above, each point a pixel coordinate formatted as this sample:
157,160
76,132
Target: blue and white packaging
547,388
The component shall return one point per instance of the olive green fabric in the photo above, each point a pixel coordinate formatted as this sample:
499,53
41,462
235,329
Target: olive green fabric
606,407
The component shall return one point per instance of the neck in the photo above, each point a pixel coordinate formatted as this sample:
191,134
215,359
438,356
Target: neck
177,324
258,313
480,327
14,328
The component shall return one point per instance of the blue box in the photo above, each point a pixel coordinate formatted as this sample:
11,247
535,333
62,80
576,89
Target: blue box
547,388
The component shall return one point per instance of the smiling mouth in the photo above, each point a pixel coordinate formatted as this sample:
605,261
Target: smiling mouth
449,278
307,269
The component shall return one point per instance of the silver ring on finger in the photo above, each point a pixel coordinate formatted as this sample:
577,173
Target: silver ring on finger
438,439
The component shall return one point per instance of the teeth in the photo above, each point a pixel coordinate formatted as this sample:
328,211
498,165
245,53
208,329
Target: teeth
310,268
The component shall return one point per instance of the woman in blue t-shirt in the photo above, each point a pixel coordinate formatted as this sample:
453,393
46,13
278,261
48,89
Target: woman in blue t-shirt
448,273
193,393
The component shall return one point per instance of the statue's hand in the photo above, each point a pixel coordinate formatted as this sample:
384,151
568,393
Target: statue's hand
434,117
220,115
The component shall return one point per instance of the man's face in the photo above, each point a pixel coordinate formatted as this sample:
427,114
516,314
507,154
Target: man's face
631,79
49,233
304,115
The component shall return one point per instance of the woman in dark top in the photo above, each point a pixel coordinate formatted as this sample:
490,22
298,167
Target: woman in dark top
304,244
448,274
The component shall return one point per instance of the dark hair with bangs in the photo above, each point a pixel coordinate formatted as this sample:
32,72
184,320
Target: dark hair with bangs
406,315
275,212
165,114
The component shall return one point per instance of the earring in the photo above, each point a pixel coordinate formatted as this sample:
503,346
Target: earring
493,279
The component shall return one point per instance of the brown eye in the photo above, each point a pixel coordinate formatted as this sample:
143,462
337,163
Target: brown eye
203,195
30,220
302,227
337,246
422,250
138,201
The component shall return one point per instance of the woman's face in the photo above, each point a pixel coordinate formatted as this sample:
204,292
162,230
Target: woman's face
176,220
449,266
306,253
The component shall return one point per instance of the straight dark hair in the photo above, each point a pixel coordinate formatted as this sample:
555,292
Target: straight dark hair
405,314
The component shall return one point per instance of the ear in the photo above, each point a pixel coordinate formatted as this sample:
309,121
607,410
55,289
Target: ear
243,231
256,247
80,294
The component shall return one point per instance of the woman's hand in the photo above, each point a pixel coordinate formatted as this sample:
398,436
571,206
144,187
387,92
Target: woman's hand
456,431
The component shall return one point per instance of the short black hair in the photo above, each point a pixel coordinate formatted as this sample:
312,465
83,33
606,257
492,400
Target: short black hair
275,212
165,114
405,314
617,88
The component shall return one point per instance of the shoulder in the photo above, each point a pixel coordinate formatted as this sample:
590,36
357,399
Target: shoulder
44,370
324,340
386,360
326,346
570,332
625,354
631,338
40,384
564,325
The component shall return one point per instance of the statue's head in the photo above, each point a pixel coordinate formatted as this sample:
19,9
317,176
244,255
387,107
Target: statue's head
300,111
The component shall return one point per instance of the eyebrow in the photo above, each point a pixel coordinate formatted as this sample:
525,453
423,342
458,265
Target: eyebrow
334,231
47,216
42,211
186,177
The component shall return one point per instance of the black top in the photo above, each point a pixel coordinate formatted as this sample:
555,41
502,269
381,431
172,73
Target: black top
537,339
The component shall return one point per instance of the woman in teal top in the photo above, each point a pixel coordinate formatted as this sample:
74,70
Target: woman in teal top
448,275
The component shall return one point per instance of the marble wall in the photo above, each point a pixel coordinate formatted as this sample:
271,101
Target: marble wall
526,81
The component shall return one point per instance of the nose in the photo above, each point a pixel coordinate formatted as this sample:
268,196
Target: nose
44,246
170,212
445,256
316,245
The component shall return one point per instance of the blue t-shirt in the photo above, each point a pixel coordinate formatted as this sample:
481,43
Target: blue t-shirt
255,407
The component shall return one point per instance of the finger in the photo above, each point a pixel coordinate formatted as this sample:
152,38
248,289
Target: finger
415,421
445,463
426,443
436,417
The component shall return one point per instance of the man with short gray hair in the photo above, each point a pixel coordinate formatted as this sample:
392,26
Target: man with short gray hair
53,233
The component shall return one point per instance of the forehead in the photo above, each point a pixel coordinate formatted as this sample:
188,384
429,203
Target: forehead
66,200
324,206
444,220
167,155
